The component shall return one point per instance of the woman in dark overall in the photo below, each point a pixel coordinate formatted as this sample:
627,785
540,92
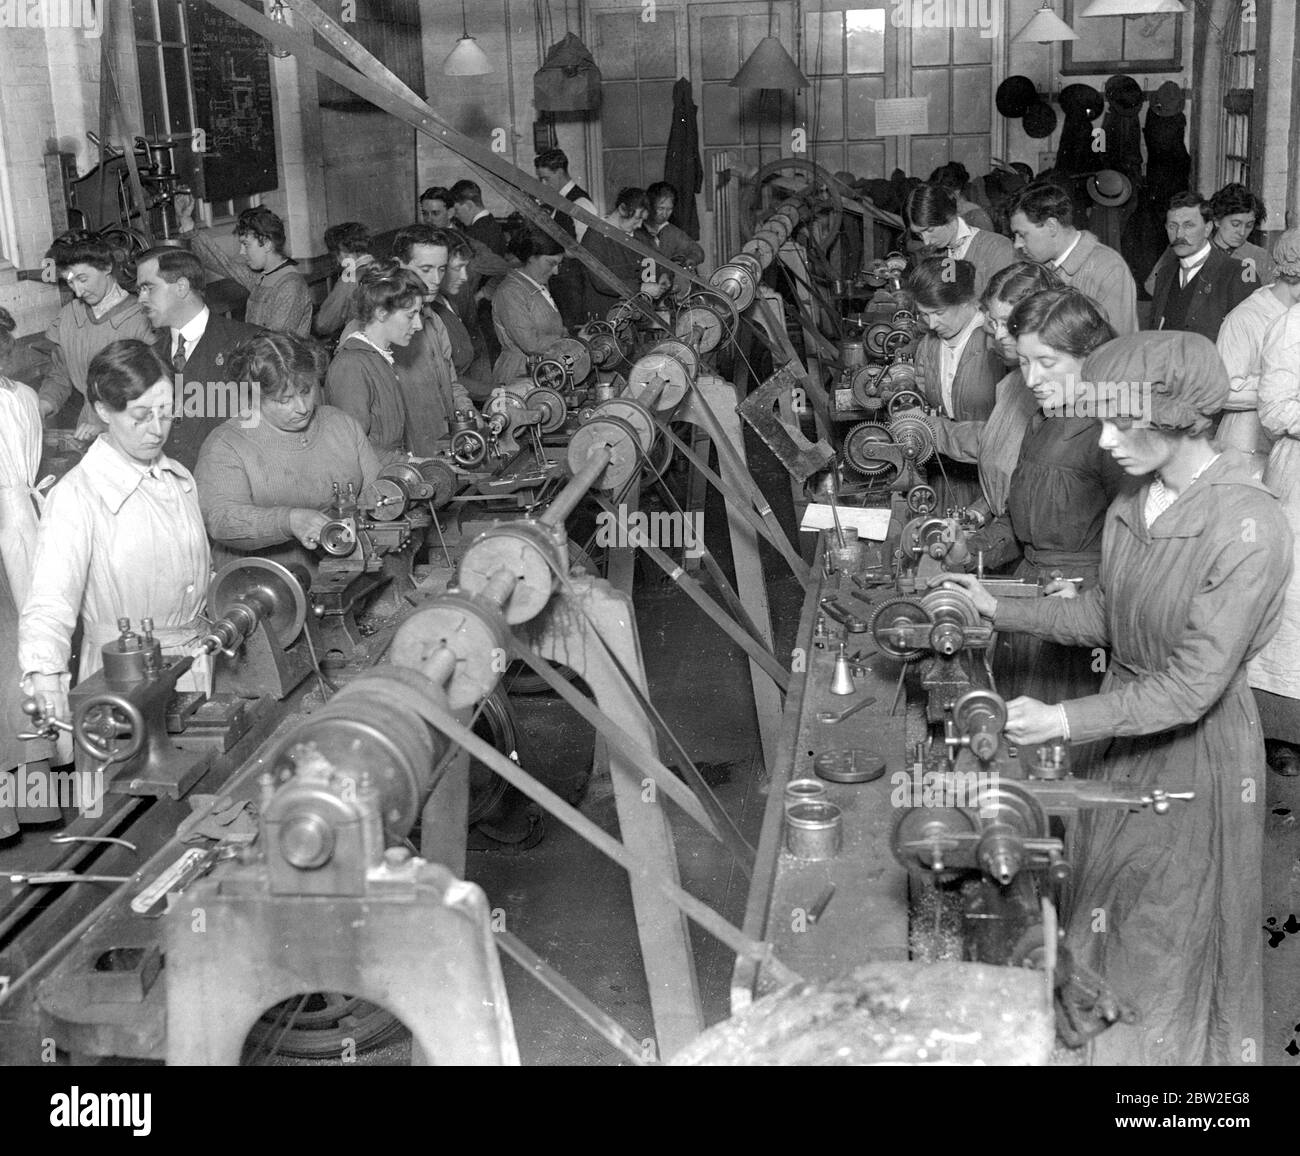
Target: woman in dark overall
1194,568
1062,484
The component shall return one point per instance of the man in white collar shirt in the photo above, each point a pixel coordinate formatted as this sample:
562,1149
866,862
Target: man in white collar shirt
1042,223
568,285
1202,284
194,341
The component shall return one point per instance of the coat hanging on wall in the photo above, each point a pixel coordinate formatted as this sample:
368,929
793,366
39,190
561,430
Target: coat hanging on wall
683,168
568,80
1124,99
1082,104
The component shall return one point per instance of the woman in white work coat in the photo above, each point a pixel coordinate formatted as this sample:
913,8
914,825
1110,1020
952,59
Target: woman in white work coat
121,537
20,455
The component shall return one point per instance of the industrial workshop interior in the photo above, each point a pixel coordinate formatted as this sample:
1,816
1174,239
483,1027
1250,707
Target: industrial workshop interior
649,533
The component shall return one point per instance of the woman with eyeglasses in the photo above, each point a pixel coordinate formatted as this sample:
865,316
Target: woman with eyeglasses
121,537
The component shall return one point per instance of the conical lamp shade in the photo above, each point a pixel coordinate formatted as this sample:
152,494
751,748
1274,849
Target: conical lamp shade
1133,8
466,59
1045,27
769,66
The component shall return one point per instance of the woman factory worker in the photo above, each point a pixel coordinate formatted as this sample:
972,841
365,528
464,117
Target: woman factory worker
524,313
932,216
263,485
1194,568
121,536
362,380
100,312
638,274
20,455
994,445
957,363
1060,490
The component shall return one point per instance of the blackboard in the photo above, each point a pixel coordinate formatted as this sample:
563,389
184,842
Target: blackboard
232,104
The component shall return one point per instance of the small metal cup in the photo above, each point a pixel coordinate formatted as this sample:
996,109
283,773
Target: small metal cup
804,790
813,829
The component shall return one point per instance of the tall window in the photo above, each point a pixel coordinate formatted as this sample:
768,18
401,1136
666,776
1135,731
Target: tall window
844,56
1238,97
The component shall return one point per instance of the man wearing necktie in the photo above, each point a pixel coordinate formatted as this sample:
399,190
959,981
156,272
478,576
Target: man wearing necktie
1197,284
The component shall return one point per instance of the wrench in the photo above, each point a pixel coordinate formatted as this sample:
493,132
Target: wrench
830,716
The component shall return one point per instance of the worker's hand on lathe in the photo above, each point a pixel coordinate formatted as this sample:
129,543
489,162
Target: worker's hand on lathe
1061,588
1030,721
305,525
985,603
51,691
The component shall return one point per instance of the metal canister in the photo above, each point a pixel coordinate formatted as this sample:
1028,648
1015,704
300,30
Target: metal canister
804,790
813,829
853,354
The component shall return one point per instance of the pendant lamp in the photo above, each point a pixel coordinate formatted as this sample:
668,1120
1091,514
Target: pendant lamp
467,58
1045,27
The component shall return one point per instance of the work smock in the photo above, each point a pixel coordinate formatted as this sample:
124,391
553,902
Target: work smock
1168,908
117,540
526,320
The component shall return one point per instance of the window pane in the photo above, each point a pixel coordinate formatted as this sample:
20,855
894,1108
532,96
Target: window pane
971,100
151,99
928,153
973,152
930,45
827,112
142,17
721,105
169,18
619,118
863,93
615,46
823,43
656,111
969,47
656,48
178,89
866,38
719,47
867,160
933,83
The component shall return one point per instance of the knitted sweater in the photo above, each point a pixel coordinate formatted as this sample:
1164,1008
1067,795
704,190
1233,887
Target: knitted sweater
362,383
251,479
278,299
78,335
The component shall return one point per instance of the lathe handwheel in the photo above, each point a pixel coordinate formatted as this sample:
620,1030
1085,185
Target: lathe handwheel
903,398
922,500
468,448
550,373
926,836
95,717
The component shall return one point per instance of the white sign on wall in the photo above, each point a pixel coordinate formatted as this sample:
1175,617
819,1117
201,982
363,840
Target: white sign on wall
903,116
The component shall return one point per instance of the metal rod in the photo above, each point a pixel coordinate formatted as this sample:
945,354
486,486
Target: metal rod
578,486
704,915
554,982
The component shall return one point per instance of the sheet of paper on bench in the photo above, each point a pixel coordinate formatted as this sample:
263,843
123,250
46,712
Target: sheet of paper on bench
873,524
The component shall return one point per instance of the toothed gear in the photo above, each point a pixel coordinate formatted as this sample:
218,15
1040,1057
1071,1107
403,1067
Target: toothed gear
857,450
888,614
915,434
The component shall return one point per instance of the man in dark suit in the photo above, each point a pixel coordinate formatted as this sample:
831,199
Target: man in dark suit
1197,284
568,285
195,342
476,221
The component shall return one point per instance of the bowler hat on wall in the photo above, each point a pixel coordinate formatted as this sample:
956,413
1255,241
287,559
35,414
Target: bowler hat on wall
1109,187
1168,100
1040,120
1016,95
1124,93
1082,100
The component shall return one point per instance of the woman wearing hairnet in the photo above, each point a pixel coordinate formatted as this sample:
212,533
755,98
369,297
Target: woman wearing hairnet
1167,908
